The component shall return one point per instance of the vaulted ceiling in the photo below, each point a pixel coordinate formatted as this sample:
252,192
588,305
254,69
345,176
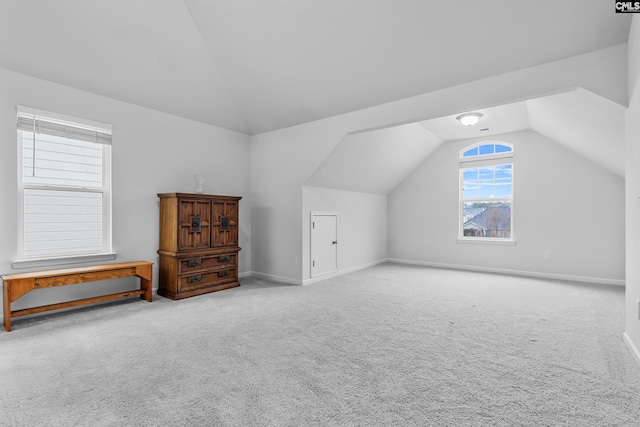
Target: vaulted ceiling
260,65
588,124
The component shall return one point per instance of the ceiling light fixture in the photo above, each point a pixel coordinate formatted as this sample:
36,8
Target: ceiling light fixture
469,119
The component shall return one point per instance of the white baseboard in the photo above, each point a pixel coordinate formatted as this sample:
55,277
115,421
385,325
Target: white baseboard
273,278
343,271
632,347
245,274
288,280
572,278
599,280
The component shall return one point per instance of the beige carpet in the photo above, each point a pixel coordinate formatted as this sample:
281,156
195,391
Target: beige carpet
388,346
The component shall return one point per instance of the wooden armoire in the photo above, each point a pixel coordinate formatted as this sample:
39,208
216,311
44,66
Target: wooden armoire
198,244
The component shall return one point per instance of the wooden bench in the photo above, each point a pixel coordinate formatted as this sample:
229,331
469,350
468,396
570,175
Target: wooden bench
16,285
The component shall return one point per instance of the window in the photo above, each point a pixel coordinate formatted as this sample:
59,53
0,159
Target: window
486,192
64,186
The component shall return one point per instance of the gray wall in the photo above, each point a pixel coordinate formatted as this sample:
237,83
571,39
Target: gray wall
632,325
362,226
152,153
563,203
156,152
283,160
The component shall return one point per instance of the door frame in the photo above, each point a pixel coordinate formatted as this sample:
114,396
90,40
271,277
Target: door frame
323,213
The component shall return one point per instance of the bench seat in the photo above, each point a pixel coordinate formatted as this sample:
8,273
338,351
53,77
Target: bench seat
17,285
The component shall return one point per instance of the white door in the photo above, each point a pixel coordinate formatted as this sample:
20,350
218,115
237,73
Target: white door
324,244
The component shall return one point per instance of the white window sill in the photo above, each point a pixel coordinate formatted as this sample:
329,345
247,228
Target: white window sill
480,241
50,262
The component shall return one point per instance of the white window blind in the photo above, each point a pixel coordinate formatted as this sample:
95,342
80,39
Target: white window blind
64,185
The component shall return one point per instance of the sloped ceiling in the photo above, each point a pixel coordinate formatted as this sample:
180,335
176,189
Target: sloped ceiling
586,123
256,65
391,154
496,120
145,52
589,125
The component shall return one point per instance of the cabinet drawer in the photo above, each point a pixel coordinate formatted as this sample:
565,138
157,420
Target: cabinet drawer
211,278
195,264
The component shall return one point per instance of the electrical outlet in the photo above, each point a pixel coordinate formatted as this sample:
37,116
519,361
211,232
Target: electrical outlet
638,308
547,255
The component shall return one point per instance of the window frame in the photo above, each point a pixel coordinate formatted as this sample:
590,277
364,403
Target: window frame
478,161
106,251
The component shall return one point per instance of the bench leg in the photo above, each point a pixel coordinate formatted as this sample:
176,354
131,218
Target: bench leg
144,273
6,306
147,287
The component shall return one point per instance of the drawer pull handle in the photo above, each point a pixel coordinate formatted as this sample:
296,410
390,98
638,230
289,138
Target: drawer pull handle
195,262
195,278
224,258
224,273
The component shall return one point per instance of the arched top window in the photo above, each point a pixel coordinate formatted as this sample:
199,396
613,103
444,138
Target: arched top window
486,148
486,192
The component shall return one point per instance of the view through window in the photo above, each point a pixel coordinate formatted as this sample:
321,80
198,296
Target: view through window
486,191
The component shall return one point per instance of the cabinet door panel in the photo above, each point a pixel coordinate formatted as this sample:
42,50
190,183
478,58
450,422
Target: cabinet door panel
224,223
195,226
